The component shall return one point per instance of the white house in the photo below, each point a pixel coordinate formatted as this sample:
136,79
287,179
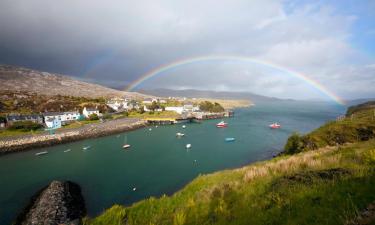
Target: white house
117,104
53,123
189,107
63,117
177,109
162,101
89,111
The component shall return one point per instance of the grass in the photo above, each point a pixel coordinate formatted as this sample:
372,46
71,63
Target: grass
163,114
77,124
9,133
327,186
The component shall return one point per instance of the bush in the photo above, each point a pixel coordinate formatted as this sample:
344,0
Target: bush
25,126
294,144
211,107
107,116
93,117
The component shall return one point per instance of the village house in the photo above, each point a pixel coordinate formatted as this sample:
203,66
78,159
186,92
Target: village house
35,118
117,104
63,117
89,111
53,123
189,107
149,100
177,109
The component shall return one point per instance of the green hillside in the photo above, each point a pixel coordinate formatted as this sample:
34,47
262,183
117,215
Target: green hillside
329,185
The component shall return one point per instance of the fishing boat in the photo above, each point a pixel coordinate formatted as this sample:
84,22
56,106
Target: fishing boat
230,139
41,153
68,150
180,134
222,124
86,147
274,126
188,146
126,145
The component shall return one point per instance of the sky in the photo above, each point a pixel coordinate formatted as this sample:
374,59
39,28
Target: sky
116,42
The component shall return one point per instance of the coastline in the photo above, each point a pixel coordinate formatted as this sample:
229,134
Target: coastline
16,144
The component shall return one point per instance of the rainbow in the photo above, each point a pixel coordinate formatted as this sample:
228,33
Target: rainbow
182,62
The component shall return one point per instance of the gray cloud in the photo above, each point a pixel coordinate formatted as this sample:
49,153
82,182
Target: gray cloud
115,42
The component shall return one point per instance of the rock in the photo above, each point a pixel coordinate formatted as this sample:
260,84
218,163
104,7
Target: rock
61,202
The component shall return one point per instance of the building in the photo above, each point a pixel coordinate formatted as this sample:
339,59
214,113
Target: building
177,109
89,111
35,118
53,123
63,117
162,101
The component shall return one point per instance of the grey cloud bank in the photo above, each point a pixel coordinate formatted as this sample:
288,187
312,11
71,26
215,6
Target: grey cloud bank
115,42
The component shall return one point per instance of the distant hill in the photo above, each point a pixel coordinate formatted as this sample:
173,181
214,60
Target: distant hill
15,78
192,93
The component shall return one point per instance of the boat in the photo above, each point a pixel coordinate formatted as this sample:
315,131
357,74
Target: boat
68,150
41,153
150,129
134,188
230,139
86,147
274,126
222,124
125,146
180,134
183,126
188,146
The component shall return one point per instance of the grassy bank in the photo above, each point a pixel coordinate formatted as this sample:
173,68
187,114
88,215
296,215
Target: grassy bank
327,186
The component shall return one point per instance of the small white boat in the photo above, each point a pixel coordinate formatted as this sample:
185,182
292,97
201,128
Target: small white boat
183,126
41,153
68,150
150,129
126,146
188,146
156,126
222,124
180,134
118,136
134,189
86,147
230,139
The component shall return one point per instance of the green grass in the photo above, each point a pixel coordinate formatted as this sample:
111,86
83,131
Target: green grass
163,114
326,186
9,133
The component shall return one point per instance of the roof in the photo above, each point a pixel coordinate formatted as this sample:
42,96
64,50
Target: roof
53,113
91,109
23,117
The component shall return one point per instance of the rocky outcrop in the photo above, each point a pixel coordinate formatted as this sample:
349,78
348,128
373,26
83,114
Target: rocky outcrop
61,202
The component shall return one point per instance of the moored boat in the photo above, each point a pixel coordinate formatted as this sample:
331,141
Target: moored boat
188,146
180,134
230,139
41,153
86,147
275,126
68,150
222,124
126,146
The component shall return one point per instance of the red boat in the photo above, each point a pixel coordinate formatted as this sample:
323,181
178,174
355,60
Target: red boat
222,124
275,126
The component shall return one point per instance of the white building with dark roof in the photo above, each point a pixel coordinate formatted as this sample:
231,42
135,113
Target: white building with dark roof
89,111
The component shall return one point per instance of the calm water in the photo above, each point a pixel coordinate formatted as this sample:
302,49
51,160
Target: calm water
157,162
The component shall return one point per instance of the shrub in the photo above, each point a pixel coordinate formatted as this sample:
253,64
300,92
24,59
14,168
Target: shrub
25,126
107,116
294,144
93,116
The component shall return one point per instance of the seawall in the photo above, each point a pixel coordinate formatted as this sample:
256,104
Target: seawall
69,135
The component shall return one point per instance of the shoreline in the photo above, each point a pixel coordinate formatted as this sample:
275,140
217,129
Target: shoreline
11,145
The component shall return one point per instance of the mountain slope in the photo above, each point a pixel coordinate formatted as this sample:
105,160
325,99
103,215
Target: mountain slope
27,80
192,93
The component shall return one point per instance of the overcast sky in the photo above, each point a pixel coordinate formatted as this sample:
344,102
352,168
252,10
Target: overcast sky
115,42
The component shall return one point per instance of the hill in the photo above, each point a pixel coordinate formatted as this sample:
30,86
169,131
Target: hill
21,79
192,93
329,185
